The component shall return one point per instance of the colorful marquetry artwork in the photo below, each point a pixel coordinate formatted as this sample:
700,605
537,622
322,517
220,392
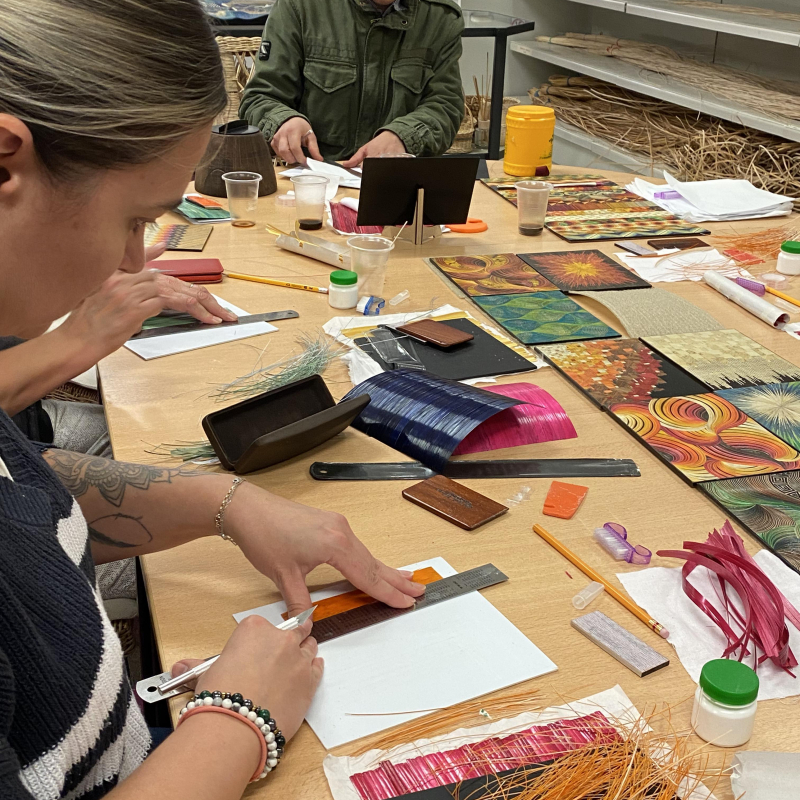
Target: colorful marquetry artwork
768,506
583,270
705,438
776,406
622,226
724,359
615,370
544,317
501,274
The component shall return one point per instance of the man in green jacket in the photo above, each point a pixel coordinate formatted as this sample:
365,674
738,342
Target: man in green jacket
351,79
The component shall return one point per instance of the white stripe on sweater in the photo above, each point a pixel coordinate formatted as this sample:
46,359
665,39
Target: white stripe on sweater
44,777
72,533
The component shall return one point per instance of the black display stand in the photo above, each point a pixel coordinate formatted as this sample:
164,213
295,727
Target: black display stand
477,25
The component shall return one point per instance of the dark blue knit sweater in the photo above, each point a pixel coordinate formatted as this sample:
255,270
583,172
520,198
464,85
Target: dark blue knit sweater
69,725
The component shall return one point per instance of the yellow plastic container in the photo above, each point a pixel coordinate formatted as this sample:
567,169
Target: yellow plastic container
529,139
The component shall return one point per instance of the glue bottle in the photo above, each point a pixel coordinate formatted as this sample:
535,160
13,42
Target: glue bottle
343,289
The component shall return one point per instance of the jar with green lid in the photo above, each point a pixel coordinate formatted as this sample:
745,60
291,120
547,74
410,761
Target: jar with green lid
789,258
343,289
725,703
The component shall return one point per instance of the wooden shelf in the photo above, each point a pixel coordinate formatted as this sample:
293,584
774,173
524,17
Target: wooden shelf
653,84
752,26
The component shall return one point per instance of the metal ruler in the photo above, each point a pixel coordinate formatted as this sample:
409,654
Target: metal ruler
270,316
437,592
521,468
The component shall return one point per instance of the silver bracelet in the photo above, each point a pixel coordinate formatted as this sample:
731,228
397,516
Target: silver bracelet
219,520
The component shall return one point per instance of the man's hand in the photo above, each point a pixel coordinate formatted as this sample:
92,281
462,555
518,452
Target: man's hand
385,143
289,140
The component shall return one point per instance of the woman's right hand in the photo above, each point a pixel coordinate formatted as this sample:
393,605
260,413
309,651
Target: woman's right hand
277,670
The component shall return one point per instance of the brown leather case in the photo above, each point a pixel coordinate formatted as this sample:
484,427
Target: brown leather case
432,332
454,502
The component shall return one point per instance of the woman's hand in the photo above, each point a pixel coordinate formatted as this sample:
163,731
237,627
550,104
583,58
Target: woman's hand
195,300
286,540
277,670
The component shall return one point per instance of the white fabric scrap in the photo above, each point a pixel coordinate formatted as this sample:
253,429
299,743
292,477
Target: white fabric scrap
659,590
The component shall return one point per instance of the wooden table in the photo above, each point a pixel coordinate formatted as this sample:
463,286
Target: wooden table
194,590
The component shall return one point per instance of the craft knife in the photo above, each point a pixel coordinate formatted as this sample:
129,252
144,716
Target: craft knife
270,316
164,686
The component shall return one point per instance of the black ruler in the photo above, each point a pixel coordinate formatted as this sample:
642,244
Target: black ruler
437,592
516,468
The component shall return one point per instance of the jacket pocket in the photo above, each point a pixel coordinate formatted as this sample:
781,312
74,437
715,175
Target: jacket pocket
329,100
409,79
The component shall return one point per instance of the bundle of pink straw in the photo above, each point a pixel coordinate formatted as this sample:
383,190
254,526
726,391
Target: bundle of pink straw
761,621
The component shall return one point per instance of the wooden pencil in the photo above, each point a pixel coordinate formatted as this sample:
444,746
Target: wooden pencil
596,576
273,282
782,295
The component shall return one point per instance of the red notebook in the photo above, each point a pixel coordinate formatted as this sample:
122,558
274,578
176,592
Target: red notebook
191,270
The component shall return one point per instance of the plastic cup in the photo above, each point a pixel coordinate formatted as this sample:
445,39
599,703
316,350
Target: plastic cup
532,197
309,199
242,190
368,257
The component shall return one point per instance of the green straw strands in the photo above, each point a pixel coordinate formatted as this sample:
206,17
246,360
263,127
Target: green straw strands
317,354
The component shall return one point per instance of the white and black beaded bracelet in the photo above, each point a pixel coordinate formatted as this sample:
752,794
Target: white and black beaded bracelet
258,716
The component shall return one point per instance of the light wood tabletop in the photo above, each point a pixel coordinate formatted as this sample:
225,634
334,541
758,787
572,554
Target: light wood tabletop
194,590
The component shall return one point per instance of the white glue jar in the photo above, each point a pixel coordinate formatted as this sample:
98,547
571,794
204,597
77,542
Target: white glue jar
343,289
789,259
725,703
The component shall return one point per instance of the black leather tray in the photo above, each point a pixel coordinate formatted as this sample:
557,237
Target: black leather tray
278,425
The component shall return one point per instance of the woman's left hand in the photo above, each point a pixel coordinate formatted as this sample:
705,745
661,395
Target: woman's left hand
178,295
286,540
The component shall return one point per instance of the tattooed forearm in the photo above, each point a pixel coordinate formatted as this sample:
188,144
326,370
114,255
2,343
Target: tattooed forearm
127,531
79,473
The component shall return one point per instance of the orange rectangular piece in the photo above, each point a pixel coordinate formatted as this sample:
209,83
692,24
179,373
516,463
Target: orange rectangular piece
563,499
331,606
203,202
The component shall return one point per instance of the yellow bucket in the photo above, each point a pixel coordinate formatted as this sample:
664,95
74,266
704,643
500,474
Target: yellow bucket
529,139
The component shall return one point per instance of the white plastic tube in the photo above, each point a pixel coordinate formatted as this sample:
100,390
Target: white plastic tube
587,595
747,300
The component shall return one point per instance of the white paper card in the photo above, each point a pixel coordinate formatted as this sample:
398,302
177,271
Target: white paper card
696,638
172,343
429,659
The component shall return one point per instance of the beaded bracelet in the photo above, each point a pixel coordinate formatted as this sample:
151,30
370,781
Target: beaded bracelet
219,519
257,717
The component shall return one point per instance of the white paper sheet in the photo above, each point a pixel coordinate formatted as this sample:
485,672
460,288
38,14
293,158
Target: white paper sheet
695,637
432,658
344,178
765,776
670,270
168,345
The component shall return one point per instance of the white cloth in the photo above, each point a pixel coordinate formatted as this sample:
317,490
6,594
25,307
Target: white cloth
694,636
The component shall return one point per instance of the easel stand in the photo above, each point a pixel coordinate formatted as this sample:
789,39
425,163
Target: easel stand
416,232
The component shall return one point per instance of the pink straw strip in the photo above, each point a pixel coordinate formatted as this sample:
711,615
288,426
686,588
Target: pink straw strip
490,756
539,419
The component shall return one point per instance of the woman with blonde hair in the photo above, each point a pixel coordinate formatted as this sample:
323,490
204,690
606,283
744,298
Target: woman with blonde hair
105,108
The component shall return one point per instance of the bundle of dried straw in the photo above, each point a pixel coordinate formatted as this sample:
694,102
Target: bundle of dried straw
770,96
731,9
692,146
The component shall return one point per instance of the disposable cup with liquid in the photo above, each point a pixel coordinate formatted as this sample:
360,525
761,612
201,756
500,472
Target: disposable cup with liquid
309,200
368,258
532,197
242,190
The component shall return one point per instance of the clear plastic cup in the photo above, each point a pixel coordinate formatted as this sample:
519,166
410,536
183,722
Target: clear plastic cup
368,257
309,199
242,190
532,197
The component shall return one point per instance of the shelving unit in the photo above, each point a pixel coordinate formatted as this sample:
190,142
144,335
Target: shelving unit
653,84
722,20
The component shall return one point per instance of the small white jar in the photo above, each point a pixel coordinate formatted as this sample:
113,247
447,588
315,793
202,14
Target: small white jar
343,289
725,703
789,259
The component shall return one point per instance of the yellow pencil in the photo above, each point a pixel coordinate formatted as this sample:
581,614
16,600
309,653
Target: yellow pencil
788,298
595,576
272,282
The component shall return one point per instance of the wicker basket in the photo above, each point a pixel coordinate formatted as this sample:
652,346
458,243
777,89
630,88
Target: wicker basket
463,141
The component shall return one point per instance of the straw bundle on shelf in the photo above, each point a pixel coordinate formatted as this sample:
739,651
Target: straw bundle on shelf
761,12
769,96
692,146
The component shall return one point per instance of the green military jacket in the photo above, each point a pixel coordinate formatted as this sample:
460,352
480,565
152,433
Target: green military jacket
353,73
